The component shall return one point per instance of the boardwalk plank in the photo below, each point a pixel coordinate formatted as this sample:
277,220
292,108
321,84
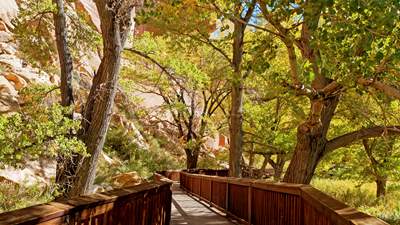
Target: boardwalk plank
188,211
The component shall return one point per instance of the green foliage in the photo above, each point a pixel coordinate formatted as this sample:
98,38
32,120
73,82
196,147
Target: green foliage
38,130
363,197
14,197
122,146
34,30
360,38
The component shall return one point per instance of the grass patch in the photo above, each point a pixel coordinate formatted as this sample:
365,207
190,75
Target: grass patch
362,197
14,197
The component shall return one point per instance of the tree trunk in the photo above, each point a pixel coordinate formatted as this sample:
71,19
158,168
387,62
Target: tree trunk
192,157
311,138
115,25
236,111
278,167
379,180
65,168
64,54
380,186
236,114
265,163
251,161
308,152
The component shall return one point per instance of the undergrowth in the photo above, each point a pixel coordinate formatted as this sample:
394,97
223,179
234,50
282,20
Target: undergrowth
362,197
13,196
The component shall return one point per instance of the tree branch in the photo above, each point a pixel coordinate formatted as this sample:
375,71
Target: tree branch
163,68
365,133
380,86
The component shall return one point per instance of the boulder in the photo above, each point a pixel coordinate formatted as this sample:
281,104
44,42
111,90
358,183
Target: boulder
5,36
19,67
7,48
3,26
8,96
4,180
18,81
126,179
34,172
6,87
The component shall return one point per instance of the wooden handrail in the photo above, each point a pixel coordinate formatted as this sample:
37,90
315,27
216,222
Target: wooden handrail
261,202
146,204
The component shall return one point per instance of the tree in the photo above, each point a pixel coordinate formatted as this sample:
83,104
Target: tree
200,20
242,15
188,82
334,49
374,159
63,172
116,21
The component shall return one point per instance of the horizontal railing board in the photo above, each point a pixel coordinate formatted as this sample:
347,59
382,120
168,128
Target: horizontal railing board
49,211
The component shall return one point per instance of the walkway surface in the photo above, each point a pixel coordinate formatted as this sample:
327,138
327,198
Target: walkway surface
188,211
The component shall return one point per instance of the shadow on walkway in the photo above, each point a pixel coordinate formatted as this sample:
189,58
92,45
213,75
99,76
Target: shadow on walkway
187,211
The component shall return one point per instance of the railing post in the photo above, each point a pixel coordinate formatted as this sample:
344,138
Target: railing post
227,198
249,196
201,182
211,192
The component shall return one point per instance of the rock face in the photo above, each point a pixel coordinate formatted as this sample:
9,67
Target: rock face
8,10
34,172
15,74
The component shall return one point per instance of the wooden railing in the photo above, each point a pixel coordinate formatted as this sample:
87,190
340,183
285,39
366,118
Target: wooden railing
174,175
265,203
146,204
210,172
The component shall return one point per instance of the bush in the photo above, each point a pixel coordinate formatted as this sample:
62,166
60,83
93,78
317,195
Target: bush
120,145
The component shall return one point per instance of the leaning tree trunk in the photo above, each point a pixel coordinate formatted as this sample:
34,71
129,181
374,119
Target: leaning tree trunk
311,138
115,26
65,168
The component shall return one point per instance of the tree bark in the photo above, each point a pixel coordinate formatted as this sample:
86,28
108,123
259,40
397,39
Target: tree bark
236,132
278,166
311,137
236,111
64,54
65,168
380,186
379,179
115,26
192,157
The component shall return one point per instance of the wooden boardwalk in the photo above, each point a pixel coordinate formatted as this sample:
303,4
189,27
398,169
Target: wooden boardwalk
188,211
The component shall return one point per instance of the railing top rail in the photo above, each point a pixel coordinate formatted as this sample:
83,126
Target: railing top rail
262,184
48,211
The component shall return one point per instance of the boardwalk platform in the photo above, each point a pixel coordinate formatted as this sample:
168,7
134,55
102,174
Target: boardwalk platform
187,211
